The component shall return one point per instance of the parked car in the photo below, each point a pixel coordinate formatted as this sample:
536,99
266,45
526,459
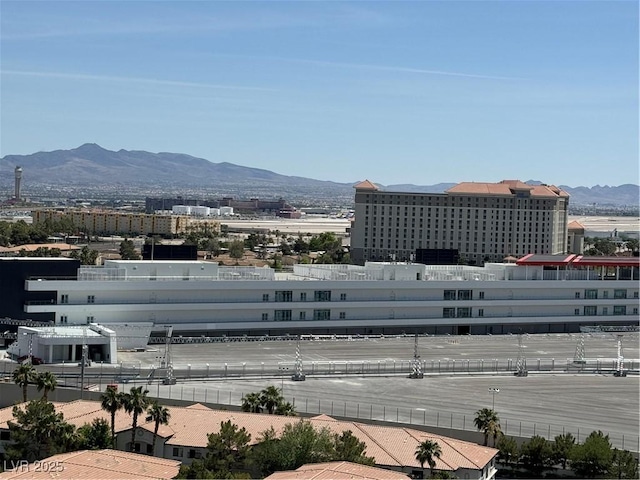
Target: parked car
34,360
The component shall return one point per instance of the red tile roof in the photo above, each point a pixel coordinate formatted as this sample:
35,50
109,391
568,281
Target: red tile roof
366,185
189,427
97,465
507,187
337,471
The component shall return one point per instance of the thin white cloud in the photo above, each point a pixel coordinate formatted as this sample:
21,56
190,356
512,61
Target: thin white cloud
388,68
148,81
402,69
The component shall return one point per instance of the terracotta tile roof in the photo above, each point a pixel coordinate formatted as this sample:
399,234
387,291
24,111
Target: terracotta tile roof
190,426
337,471
507,187
575,225
97,465
31,247
366,185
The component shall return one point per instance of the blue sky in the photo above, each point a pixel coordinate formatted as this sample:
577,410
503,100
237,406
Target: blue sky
397,92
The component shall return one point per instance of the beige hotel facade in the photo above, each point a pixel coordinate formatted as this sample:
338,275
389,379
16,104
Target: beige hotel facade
485,222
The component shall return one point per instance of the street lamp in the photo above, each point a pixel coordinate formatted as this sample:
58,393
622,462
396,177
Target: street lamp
493,391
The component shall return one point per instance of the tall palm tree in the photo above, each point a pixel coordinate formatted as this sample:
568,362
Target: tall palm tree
135,402
112,401
160,415
427,452
488,423
270,397
251,402
46,381
22,376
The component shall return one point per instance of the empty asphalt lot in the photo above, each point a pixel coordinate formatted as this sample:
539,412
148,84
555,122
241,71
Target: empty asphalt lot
546,403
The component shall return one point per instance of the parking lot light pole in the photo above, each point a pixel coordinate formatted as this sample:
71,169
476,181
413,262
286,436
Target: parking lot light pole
493,391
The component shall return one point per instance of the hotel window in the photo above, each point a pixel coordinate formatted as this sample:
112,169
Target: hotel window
635,294
63,319
591,294
464,312
591,310
177,452
282,315
605,310
64,298
343,315
303,315
265,297
576,311
343,296
577,294
322,296
284,296
481,312
449,294
465,295
619,294
620,310
481,295
635,310
265,317
90,319
448,312
322,314
91,299
303,297
605,294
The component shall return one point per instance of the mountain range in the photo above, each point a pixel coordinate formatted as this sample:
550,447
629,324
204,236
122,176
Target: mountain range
91,165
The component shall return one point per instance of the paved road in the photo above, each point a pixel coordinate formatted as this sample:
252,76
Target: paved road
553,403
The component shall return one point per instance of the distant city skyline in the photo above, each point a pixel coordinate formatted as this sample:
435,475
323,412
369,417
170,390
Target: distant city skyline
396,92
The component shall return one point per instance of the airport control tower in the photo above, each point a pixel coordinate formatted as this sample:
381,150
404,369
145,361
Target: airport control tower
18,174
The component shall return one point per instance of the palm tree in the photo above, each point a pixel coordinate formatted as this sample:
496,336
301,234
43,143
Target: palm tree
46,381
488,423
135,402
427,452
251,402
112,401
160,415
270,397
22,376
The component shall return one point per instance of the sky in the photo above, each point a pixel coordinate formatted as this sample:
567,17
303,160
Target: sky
415,92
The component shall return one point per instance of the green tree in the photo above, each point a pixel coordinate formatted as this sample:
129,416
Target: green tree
86,255
95,435
508,452
46,381
159,415
39,432
299,443
251,402
536,455
488,423
236,249
22,376
427,452
349,449
593,457
135,402
562,447
212,245
227,449
270,398
112,401
128,250
623,465
632,244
